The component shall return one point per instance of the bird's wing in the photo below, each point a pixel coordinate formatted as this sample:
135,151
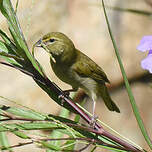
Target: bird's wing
88,68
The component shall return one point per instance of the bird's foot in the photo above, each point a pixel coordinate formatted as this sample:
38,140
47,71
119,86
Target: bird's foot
67,92
61,96
93,121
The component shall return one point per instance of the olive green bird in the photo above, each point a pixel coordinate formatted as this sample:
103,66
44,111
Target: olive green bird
76,69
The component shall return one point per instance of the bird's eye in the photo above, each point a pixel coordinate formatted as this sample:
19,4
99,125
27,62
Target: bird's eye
52,40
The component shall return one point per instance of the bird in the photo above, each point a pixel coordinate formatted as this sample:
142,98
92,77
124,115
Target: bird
75,68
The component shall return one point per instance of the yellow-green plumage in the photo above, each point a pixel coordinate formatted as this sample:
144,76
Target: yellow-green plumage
75,68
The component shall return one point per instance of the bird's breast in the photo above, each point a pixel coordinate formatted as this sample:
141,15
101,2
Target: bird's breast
69,76
66,74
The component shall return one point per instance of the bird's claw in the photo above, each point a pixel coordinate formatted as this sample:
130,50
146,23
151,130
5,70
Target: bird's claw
93,121
66,92
61,96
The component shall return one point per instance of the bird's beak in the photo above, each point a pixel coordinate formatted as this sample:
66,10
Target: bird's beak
38,43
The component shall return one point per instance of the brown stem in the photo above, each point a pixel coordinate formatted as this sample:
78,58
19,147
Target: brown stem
18,145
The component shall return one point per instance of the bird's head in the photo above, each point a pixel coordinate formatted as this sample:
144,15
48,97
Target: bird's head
59,46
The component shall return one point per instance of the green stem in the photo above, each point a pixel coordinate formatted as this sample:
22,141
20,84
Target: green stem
130,94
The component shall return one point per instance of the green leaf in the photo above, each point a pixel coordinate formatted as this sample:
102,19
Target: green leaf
12,48
6,51
27,126
4,48
3,138
50,146
70,145
21,134
4,141
29,114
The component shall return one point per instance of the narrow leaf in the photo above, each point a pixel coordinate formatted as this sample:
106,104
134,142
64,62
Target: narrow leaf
21,134
50,146
25,113
3,138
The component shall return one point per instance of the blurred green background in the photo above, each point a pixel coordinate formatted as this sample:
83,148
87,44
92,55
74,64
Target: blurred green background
83,21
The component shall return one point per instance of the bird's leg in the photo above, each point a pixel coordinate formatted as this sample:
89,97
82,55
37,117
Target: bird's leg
61,96
94,117
94,106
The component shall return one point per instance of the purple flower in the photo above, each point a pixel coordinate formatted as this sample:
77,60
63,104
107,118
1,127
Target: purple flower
146,45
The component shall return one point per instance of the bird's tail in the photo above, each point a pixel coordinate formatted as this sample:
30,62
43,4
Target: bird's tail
107,99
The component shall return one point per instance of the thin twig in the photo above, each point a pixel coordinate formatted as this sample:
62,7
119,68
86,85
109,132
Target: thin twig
17,145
